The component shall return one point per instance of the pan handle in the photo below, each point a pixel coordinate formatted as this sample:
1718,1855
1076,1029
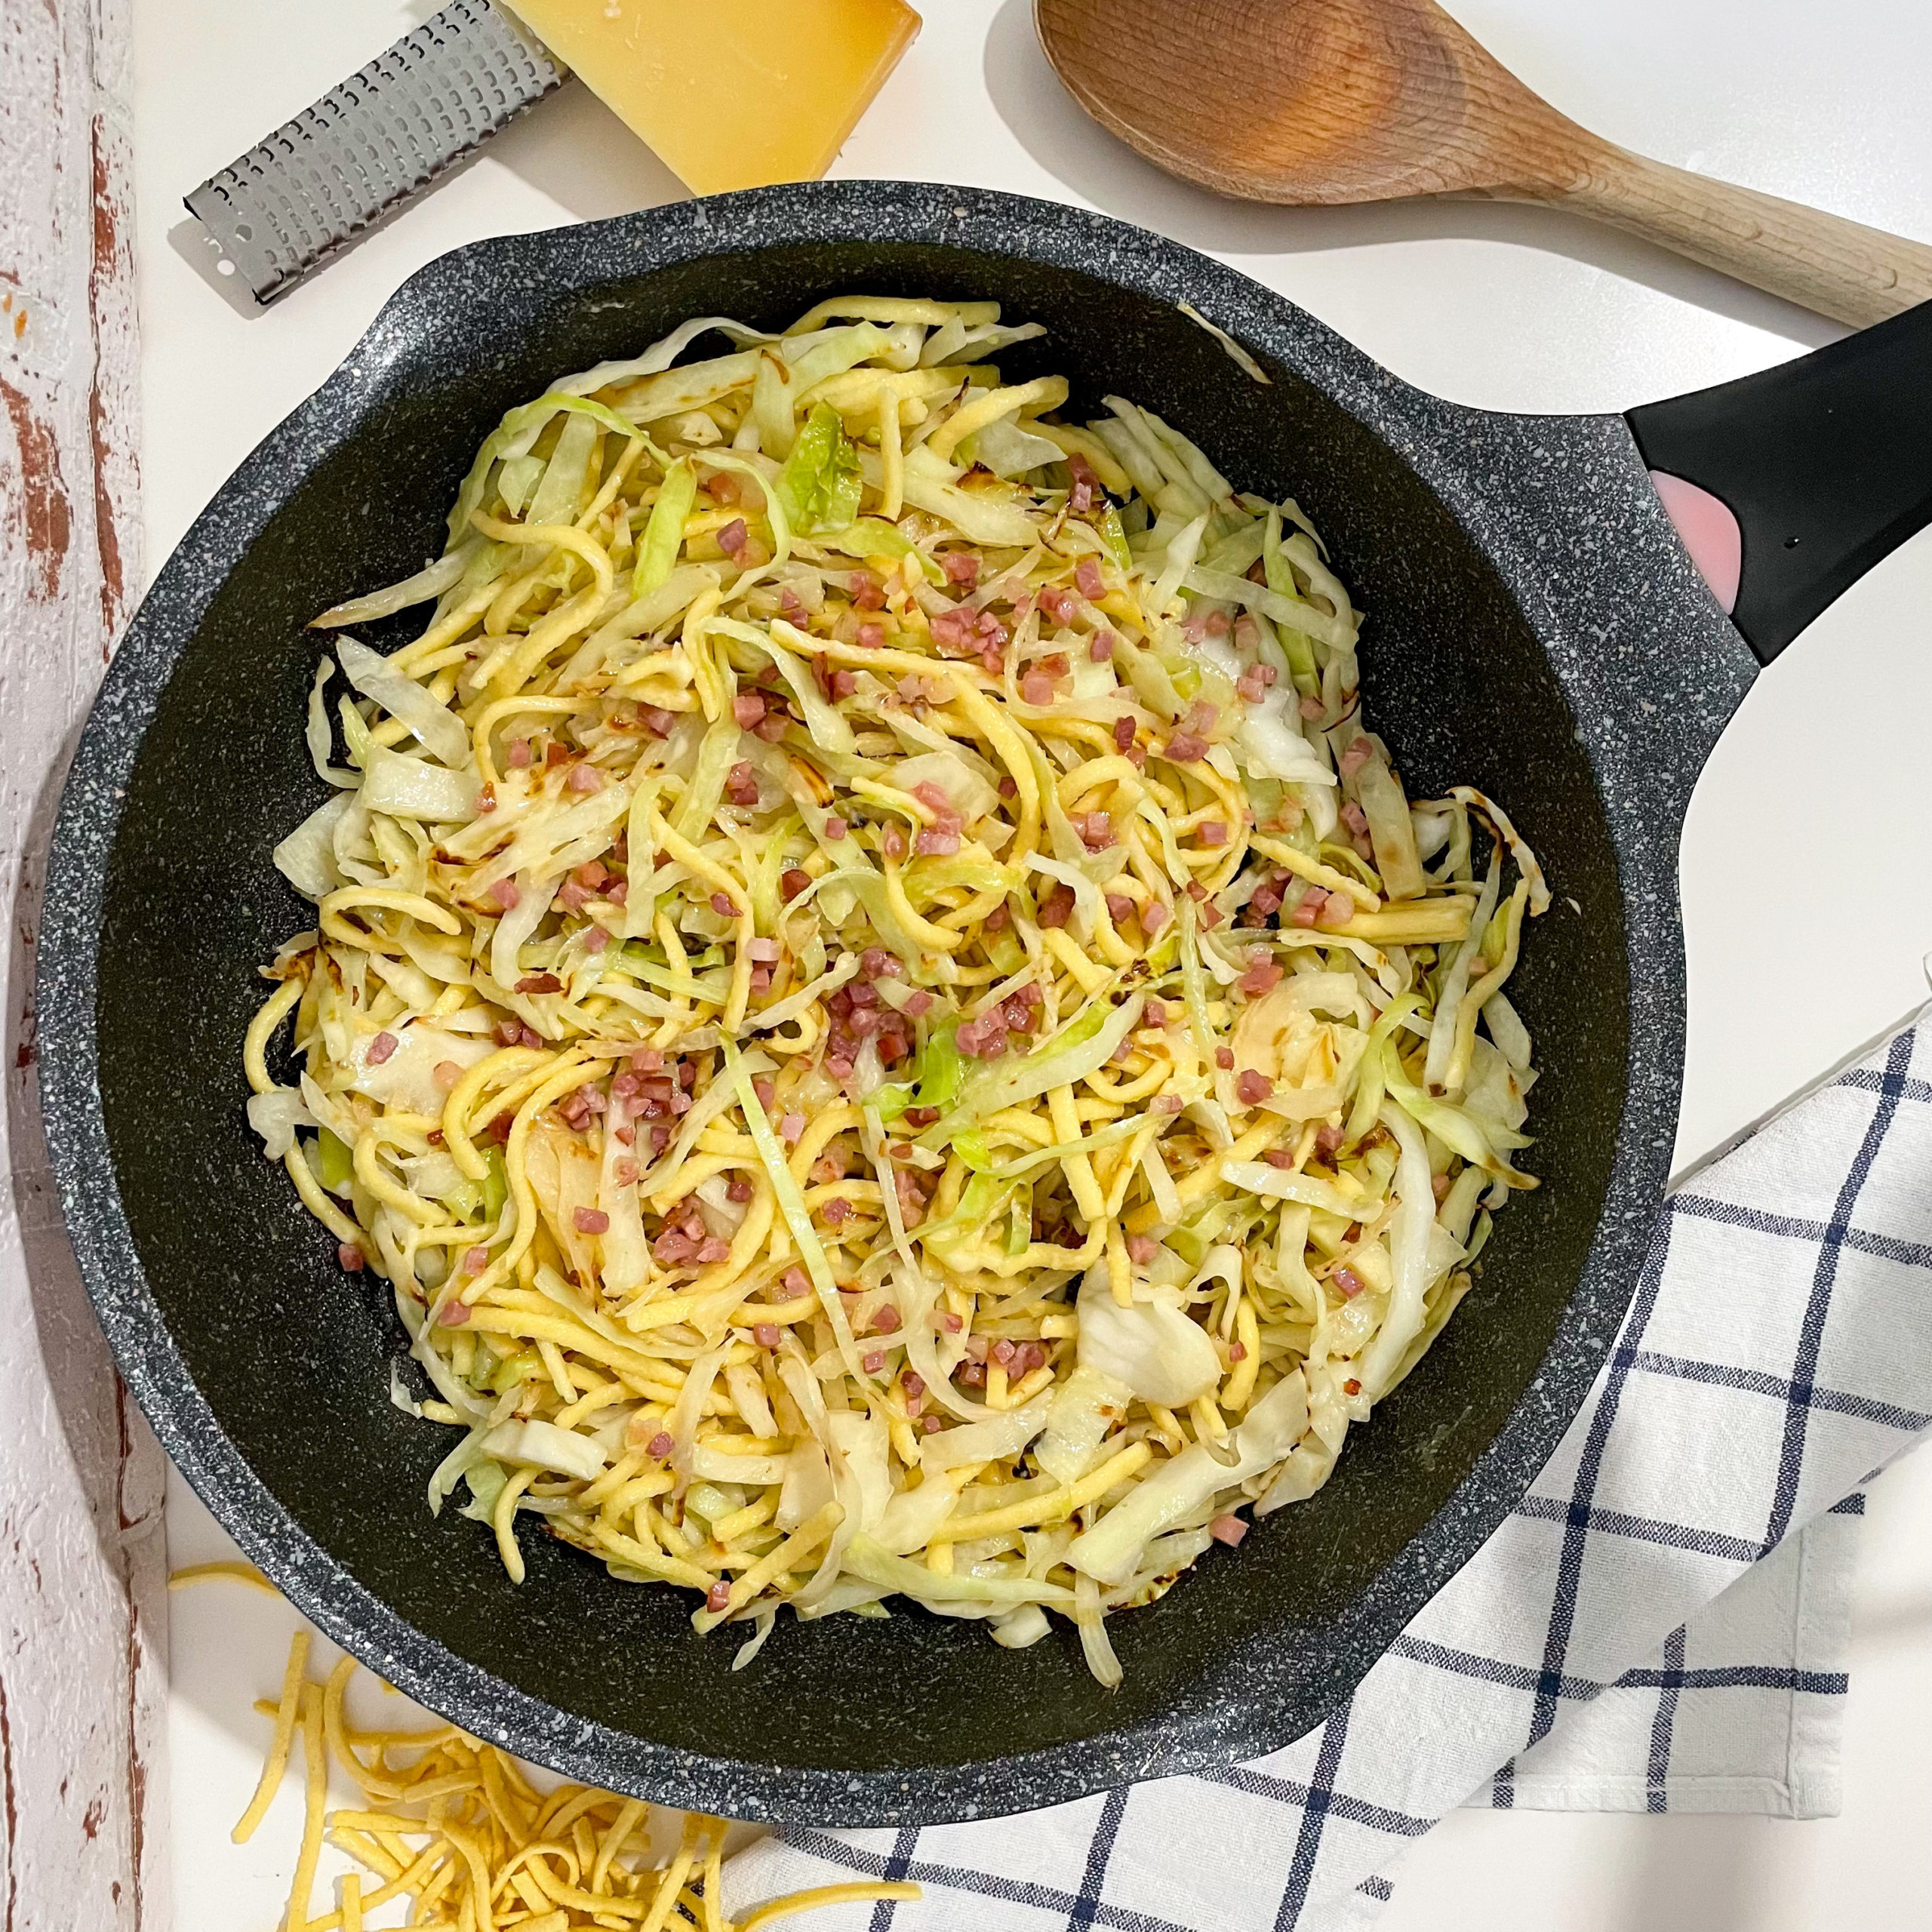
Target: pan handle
1788,486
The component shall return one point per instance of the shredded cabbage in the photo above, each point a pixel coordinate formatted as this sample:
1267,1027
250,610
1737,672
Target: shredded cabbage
998,1439
407,787
544,1446
1110,1551
1085,1044
306,857
818,485
275,1116
431,581
1086,1407
441,732
664,534
867,1559
1151,1346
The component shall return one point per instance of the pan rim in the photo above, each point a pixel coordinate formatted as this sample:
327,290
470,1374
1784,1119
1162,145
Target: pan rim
1480,465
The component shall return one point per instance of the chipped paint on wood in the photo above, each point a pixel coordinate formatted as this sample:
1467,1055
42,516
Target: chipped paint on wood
42,527
82,1562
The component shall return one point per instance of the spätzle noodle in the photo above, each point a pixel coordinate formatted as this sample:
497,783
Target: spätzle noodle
453,1826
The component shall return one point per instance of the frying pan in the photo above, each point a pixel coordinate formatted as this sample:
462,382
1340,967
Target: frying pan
1535,628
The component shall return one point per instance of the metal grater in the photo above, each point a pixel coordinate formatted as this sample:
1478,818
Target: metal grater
372,143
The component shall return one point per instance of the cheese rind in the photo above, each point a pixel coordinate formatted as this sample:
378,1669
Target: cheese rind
732,96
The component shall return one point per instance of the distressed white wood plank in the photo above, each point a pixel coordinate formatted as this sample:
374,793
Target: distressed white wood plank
83,1640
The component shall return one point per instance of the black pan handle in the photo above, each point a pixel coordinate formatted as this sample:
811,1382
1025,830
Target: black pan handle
1788,486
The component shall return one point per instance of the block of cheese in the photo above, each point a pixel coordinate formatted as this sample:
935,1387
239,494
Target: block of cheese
733,95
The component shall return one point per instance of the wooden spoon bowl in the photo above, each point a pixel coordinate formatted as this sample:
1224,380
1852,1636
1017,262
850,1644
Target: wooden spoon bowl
1326,101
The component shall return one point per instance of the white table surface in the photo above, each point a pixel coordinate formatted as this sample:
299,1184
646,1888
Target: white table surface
1506,308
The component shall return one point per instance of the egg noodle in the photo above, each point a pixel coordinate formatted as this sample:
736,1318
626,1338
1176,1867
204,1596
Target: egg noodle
452,1824
891,1029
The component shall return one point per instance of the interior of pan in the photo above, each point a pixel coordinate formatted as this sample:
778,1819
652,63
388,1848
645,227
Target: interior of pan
293,1355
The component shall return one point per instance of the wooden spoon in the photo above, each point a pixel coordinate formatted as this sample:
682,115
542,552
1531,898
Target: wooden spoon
1367,100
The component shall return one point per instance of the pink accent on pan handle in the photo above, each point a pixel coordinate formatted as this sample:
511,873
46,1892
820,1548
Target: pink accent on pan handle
1787,486
1710,533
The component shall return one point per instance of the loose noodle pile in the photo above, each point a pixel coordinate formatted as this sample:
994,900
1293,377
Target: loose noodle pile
452,1824
891,1028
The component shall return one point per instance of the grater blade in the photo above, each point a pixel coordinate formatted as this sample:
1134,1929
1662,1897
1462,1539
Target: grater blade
372,143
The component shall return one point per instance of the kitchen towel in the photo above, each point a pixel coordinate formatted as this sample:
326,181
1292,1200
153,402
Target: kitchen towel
1740,1709
1661,1620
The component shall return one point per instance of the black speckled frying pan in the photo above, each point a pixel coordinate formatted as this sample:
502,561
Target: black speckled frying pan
1535,628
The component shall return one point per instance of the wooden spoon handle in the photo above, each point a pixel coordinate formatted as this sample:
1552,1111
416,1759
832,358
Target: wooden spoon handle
1826,263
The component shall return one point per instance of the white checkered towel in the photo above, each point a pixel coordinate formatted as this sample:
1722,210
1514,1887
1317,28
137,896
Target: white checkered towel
1627,1640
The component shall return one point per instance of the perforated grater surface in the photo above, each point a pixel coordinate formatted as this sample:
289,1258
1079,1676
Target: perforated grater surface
280,211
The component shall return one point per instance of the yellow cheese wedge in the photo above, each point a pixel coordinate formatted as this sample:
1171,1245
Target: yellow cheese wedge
733,95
